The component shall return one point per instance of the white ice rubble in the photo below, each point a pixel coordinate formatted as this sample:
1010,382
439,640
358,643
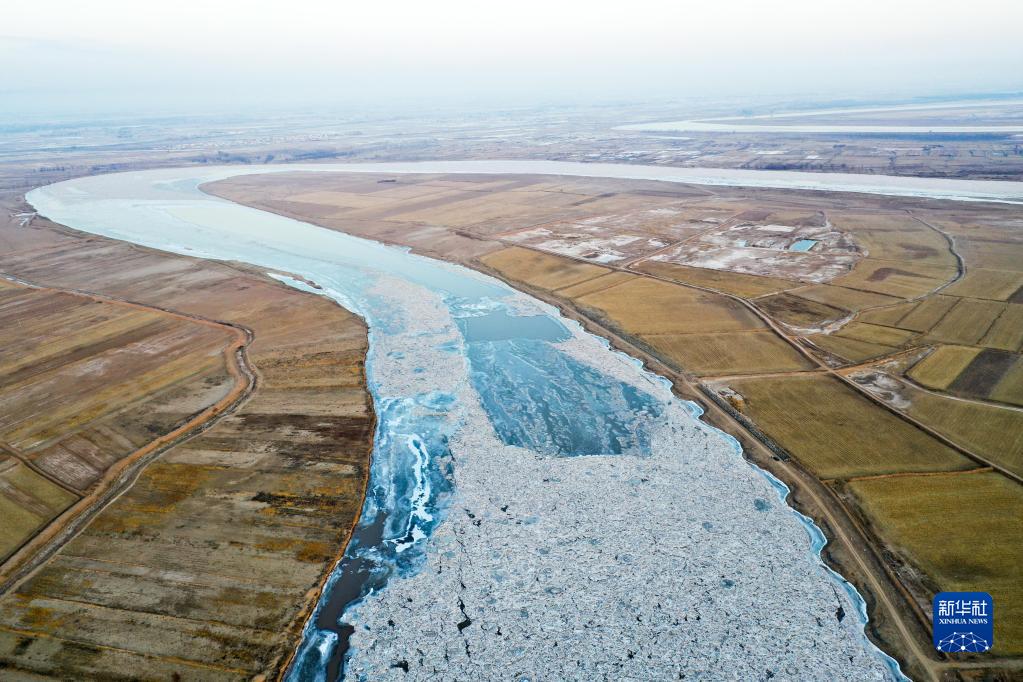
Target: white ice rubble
683,562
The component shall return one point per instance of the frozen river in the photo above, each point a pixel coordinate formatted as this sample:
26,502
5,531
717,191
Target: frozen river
783,123
539,504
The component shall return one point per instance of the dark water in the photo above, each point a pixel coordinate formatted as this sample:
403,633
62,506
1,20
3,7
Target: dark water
534,394
501,326
540,398
409,486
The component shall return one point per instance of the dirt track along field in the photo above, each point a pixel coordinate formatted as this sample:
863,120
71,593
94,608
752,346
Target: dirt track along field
766,343
205,558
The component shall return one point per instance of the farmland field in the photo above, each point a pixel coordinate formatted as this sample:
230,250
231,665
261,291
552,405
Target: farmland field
901,279
843,298
85,384
748,352
646,306
729,282
940,368
927,313
889,315
997,285
1009,388
799,312
837,433
539,269
28,501
1007,331
827,425
872,333
854,350
206,567
993,432
963,530
967,322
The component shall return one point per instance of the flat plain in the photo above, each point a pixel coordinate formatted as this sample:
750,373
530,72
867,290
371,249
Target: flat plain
817,358
206,566
87,384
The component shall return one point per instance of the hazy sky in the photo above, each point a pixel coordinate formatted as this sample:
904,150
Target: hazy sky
211,54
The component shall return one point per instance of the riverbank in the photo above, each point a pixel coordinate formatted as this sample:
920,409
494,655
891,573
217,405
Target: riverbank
897,618
210,561
558,375
433,205
886,600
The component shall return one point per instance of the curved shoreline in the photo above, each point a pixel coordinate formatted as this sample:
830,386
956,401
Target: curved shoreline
798,129
355,167
998,191
749,124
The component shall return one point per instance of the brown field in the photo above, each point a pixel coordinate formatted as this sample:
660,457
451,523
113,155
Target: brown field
836,432
645,306
541,270
901,279
872,333
843,298
941,367
593,285
1007,331
927,313
799,312
997,285
967,322
982,553
994,252
79,362
850,350
725,353
993,432
207,566
888,316
749,286
85,383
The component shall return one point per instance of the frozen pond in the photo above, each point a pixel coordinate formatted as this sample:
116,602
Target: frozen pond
538,504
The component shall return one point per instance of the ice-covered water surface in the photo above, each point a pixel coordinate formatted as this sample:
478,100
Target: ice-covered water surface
673,556
783,123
